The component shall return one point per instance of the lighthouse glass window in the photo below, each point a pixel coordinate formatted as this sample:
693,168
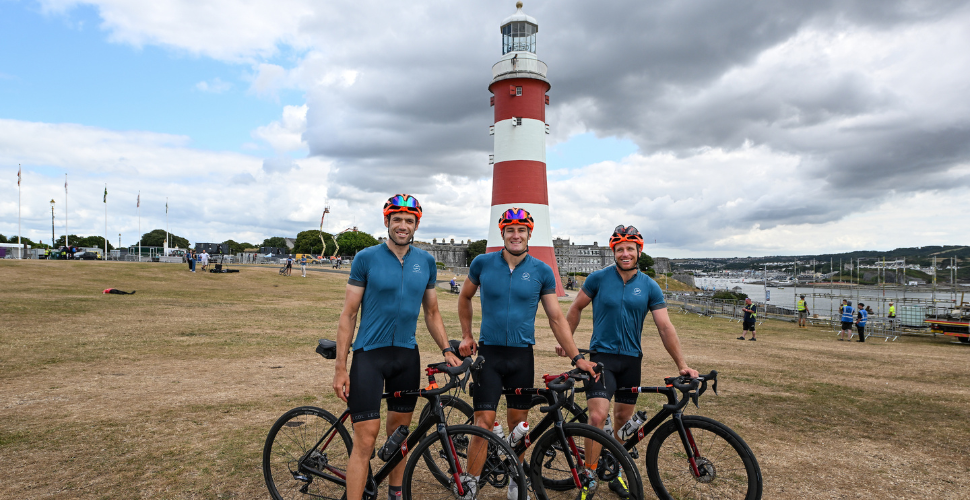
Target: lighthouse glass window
519,36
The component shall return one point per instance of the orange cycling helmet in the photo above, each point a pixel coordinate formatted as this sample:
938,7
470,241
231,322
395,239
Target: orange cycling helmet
515,216
402,203
626,233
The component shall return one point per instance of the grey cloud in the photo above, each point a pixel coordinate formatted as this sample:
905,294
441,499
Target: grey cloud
280,165
653,72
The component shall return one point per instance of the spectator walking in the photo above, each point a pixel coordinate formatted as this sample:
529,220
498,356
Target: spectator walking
750,319
205,259
289,265
860,324
303,265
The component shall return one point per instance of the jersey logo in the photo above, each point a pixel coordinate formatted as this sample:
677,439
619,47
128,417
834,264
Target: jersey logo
636,291
417,268
525,276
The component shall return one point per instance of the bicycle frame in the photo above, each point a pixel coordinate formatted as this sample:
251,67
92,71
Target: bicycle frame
553,418
435,420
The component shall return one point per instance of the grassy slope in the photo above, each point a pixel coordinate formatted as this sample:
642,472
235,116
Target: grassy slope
169,393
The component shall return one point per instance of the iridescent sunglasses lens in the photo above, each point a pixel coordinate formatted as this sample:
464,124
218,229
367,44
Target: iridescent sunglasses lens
404,201
515,214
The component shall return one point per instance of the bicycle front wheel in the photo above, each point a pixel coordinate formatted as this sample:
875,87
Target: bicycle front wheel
291,465
727,467
551,467
429,475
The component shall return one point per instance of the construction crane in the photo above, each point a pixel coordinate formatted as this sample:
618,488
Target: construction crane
337,245
326,210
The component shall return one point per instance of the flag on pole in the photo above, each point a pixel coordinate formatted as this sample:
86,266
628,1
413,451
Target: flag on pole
106,193
18,175
65,183
138,205
166,207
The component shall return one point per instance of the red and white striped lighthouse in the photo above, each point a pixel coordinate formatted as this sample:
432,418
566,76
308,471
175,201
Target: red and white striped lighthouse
518,88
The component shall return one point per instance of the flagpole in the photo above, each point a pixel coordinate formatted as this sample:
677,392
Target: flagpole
139,226
106,223
19,244
66,232
166,226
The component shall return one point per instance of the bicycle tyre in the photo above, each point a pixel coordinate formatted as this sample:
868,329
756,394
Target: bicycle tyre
435,482
730,469
551,477
289,439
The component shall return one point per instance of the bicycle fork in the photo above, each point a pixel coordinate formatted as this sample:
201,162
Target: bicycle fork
453,466
690,447
570,450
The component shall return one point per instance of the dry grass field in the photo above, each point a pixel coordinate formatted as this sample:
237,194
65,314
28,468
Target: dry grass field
169,393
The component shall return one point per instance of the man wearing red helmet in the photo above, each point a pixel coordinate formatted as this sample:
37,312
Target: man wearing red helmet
621,296
513,283
389,284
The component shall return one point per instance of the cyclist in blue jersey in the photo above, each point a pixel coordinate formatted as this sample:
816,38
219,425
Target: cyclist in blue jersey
622,296
389,284
513,283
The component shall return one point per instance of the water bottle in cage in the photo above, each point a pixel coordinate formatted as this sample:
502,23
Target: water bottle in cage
518,433
608,426
630,428
500,432
393,443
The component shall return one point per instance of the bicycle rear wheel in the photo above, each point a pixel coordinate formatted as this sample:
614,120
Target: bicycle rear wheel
428,474
290,439
728,469
553,478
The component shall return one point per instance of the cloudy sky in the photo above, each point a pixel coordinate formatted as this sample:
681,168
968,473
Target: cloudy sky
718,128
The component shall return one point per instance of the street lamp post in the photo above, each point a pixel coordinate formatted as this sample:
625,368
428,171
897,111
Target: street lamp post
52,224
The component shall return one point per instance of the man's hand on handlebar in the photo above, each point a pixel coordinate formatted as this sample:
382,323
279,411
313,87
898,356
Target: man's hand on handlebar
689,372
468,347
452,359
590,368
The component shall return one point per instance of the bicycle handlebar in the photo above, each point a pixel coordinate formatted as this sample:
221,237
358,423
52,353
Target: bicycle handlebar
692,388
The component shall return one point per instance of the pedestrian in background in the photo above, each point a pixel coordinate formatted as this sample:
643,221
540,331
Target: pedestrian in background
861,319
303,265
750,318
802,313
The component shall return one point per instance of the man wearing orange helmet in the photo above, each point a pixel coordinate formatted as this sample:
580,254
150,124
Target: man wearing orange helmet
621,296
389,284
513,283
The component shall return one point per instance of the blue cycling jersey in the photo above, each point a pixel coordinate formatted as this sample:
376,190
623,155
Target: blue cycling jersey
510,298
392,295
619,309
863,317
847,314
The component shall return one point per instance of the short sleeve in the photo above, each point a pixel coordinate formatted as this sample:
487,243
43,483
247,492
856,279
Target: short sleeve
358,272
656,297
548,280
475,270
433,275
592,285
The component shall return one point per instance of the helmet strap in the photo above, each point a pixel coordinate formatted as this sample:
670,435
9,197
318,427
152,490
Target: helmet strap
517,254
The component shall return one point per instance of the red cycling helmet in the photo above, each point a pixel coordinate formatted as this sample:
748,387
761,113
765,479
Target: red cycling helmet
402,203
626,233
515,216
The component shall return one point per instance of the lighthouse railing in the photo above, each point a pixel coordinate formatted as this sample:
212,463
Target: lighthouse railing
519,65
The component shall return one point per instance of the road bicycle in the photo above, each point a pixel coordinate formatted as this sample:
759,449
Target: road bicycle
557,467
308,448
689,456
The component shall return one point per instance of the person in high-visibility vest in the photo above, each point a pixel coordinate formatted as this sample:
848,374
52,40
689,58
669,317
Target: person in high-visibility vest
802,312
861,322
892,314
846,332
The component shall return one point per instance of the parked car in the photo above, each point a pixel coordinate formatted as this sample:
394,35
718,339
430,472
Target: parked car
88,256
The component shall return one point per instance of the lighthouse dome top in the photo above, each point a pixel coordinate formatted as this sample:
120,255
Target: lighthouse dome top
519,32
520,16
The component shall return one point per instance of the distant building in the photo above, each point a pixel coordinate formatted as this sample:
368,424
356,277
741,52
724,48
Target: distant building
450,254
573,258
